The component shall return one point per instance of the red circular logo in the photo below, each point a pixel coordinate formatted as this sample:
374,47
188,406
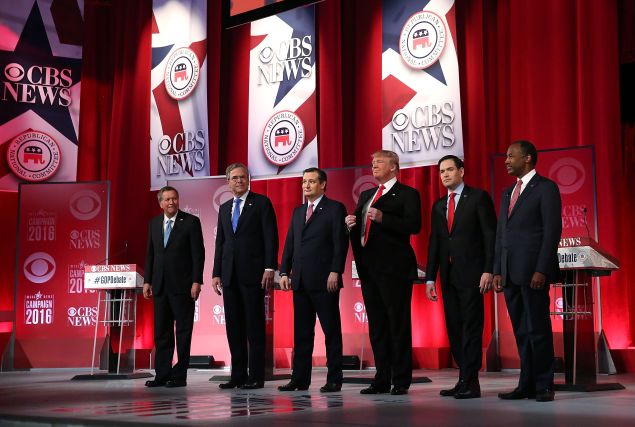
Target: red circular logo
34,156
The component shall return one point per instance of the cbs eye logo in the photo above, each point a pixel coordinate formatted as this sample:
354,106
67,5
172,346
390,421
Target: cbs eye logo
569,174
39,267
358,307
85,205
221,195
363,183
217,309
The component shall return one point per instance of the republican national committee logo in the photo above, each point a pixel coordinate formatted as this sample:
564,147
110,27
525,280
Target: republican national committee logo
422,40
34,156
283,138
181,73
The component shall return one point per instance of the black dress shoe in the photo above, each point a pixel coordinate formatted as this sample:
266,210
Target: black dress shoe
398,390
155,383
546,395
517,394
229,385
253,385
331,388
453,390
176,383
468,390
372,389
293,386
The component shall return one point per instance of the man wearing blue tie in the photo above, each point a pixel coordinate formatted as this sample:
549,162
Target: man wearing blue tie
244,264
173,276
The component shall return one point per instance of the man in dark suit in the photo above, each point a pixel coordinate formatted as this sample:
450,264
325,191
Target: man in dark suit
380,230
175,258
244,263
461,245
525,263
314,256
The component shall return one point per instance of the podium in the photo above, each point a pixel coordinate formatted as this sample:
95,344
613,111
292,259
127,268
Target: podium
581,260
117,286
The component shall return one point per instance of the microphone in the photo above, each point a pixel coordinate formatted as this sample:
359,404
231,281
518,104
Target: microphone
119,252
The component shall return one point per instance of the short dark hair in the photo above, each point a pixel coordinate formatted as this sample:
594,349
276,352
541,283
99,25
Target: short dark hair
528,149
320,172
457,162
164,189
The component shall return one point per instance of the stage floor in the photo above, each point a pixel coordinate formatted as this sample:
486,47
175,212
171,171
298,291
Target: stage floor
49,397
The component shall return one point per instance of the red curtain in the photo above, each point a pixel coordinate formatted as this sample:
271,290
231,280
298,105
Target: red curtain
536,69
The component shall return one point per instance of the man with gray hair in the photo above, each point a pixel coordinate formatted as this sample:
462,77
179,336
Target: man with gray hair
244,263
173,277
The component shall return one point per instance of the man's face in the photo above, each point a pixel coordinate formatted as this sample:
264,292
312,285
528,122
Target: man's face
238,181
169,203
383,168
516,162
311,185
451,176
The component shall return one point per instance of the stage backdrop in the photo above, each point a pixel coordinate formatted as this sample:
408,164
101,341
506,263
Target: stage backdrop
179,142
282,96
421,100
573,169
62,227
40,58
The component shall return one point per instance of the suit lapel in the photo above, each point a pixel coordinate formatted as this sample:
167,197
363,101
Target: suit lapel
316,211
460,207
176,227
246,212
525,193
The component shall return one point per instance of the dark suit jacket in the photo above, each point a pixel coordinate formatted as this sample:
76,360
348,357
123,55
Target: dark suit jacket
314,249
388,250
527,241
252,248
181,262
470,243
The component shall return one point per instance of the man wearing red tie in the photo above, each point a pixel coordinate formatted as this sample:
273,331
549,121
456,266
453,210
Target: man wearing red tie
461,249
525,263
380,230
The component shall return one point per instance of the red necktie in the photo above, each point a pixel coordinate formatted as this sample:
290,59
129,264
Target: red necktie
368,221
515,196
451,207
309,212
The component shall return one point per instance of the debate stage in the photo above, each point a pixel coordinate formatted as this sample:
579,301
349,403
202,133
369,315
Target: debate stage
39,398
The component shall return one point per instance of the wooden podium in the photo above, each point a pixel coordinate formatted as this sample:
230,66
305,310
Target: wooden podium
581,260
117,286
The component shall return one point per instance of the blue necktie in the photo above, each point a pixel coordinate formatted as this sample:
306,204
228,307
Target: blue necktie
166,235
236,214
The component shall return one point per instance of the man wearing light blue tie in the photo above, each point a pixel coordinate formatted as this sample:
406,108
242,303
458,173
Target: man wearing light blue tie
244,263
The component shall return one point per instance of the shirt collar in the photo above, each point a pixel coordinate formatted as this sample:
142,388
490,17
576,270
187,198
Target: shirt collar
458,190
525,179
165,218
389,184
315,202
243,197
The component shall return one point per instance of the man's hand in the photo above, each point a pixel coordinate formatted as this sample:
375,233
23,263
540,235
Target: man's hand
267,280
284,283
538,281
486,282
332,283
217,285
147,291
431,292
196,290
350,221
375,215
497,283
